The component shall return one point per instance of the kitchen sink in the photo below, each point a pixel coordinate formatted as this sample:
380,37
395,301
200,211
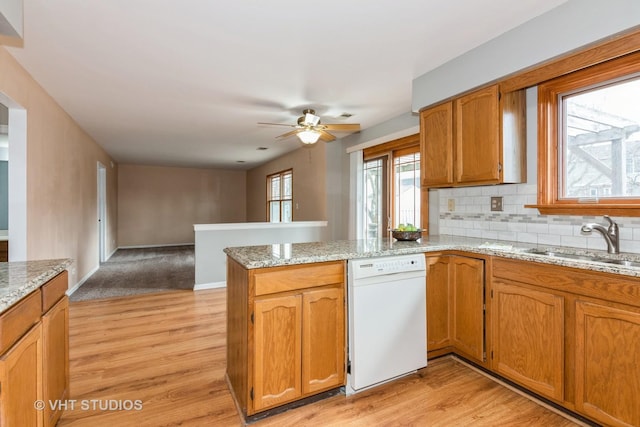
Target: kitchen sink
623,262
592,258
566,255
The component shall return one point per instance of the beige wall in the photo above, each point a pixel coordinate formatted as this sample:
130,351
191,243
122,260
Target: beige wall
159,205
61,177
309,188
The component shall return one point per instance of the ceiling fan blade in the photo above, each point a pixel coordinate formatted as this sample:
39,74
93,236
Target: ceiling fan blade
326,136
288,134
277,124
342,127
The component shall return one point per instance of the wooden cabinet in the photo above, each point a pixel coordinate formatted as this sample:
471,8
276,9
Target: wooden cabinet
293,344
278,357
34,361
607,342
55,351
476,139
323,346
570,335
4,250
299,345
528,337
20,367
438,311
467,306
455,305
436,145
21,381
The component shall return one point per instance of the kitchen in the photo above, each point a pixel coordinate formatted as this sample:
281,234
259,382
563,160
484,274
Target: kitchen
453,222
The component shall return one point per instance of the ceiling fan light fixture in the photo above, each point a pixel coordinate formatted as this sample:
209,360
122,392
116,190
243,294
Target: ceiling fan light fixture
309,136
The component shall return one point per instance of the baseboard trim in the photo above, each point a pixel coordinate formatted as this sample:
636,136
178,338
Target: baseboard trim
155,246
81,282
213,285
111,254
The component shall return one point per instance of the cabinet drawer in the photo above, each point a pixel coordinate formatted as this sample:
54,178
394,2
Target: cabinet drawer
18,319
53,290
289,278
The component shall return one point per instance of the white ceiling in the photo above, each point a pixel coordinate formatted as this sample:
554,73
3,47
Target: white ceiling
185,82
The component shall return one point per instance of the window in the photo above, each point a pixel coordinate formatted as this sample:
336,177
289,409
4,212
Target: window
589,140
280,196
406,191
392,193
375,208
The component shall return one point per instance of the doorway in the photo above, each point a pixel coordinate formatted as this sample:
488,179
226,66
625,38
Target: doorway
102,213
16,147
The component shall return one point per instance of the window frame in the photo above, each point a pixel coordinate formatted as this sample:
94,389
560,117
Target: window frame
549,201
280,200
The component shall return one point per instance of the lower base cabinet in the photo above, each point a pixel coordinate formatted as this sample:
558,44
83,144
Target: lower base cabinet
34,356
278,341
55,350
21,381
607,368
570,335
285,332
455,305
528,337
298,347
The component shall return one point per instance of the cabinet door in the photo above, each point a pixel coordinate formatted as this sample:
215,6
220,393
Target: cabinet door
438,313
436,145
467,306
21,381
55,346
528,337
477,137
323,336
607,369
277,338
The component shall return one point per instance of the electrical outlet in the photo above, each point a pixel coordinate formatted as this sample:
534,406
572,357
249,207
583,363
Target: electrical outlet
451,205
496,203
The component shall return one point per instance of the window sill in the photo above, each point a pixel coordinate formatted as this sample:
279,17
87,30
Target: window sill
588,209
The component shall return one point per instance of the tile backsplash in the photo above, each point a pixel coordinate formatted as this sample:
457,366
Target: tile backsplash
472,217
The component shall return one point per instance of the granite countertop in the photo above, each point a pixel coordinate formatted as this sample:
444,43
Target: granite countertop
303,253
19,279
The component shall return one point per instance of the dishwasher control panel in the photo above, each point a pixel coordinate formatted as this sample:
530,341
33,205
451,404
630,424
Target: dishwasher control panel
367,267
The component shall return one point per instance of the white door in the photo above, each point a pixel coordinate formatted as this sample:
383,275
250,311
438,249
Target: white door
102,212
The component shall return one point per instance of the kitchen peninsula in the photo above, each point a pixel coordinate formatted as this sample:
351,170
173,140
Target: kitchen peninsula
34,340
541,318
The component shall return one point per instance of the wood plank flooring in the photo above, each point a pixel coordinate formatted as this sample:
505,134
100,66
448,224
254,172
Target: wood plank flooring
167,351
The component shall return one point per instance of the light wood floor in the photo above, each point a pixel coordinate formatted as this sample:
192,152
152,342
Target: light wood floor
167,351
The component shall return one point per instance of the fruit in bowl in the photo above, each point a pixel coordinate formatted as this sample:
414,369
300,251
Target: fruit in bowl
406,232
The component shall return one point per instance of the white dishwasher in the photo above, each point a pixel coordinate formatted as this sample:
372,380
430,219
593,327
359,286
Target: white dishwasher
387,319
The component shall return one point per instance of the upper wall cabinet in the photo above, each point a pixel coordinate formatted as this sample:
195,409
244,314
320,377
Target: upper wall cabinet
476,139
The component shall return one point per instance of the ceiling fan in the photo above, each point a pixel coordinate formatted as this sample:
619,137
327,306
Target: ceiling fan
309,128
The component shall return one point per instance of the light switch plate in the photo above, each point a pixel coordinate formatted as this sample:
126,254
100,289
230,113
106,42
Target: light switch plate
451,205
496,203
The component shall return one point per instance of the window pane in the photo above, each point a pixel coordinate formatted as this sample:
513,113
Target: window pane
407,190
601,142
274,211
286,211
275,187
373,197
287,191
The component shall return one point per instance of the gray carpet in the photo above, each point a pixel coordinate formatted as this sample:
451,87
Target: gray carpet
139,271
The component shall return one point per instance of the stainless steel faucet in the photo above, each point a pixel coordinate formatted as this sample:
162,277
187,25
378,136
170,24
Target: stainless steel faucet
610,234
